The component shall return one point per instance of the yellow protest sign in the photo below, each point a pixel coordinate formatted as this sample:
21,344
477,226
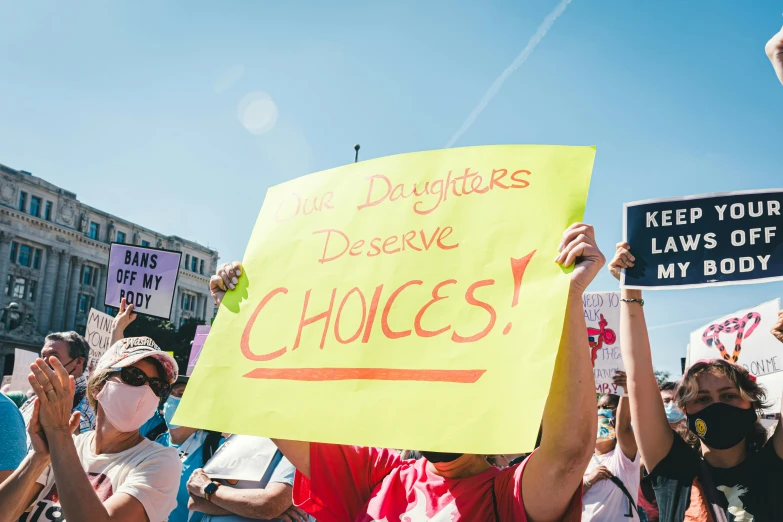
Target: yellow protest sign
410,301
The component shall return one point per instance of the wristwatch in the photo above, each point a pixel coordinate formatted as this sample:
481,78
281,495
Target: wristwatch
210,489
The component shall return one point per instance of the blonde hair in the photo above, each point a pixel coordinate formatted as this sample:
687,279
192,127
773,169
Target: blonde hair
748,388
95,385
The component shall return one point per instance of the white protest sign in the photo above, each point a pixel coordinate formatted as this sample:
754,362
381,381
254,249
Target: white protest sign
744,337
242,457
144,276
602,315
98,336
22,361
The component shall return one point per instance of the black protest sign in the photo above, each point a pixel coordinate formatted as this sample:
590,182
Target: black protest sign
708,240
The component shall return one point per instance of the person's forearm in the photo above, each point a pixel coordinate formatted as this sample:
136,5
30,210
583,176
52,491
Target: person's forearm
297,453
625,434
569,424
203,505
654,436
77,496
16,492
117,334
254,503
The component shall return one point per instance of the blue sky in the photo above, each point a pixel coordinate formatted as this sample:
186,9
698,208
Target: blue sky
134,106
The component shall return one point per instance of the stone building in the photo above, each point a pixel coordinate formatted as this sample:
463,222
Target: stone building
54,252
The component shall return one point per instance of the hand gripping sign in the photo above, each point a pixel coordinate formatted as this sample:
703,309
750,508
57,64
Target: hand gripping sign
409,301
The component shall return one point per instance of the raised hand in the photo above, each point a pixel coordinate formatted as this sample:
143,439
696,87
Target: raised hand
578,246
226,279
621,380
622,259
777,330
774,50
121,322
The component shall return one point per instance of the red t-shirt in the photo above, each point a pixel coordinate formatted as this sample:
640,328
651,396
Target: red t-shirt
355,484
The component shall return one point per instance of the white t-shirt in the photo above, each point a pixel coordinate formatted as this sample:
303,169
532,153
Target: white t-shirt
148,472
604,501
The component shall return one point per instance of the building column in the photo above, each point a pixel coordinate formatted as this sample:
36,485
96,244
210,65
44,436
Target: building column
199,306
39,304
47,292
99,305
177,312
73,293
60,292
5,260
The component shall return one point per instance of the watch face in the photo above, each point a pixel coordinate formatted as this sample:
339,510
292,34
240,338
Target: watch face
211,487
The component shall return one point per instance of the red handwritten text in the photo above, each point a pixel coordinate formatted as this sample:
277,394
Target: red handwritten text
429,195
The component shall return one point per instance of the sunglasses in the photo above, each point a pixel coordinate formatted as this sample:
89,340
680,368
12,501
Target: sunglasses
135,377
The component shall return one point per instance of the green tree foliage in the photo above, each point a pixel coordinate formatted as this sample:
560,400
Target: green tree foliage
662,376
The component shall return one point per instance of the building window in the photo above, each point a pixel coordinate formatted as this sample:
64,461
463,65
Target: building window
194,264
24,255
31,290
19,288
95,229
87,275
84,302
186,301
22,200
120,237
187,261
37,258
9,281
13,251
201,270
48,211
145,243
35,206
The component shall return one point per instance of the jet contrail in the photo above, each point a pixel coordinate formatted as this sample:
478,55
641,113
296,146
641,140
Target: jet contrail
678,323
544,28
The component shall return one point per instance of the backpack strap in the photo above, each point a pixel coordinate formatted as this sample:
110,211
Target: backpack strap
711,492
619,483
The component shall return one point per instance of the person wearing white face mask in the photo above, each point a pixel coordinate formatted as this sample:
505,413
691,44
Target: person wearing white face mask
112,474
194,446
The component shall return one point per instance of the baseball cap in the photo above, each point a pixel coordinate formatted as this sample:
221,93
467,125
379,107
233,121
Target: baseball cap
130,350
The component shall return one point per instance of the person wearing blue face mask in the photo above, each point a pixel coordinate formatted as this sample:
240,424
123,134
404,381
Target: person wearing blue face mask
674,414
195,447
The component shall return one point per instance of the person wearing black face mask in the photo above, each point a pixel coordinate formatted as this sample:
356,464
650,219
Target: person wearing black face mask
726,470
73,352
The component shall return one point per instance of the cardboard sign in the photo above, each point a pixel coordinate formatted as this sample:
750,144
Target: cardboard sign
146,277
709,240
98,336
602,315
744,337
424,278
198,343
242,457
22,361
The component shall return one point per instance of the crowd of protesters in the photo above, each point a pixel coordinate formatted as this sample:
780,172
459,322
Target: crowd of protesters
103,447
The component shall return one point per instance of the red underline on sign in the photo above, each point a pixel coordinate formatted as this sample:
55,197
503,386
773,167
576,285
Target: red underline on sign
366,374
